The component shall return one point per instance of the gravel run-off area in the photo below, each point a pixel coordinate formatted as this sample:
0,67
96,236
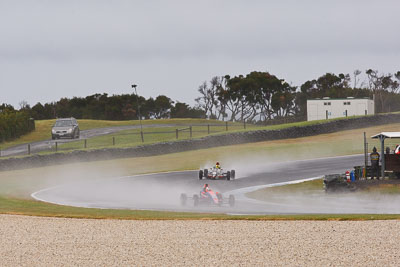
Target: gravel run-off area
36,241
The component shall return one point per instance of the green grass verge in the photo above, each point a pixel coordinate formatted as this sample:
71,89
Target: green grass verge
16,186
43,127
131,138
43,131
308,187
315,187
36,208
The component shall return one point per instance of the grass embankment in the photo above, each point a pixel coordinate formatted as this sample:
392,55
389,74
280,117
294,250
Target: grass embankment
152,135
43,130
346,142
16,186
129,138
43,127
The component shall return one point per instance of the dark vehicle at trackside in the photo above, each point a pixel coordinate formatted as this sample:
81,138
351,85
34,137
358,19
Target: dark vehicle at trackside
65,128
337,183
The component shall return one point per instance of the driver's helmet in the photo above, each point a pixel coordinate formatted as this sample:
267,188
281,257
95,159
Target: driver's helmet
217,165
206,188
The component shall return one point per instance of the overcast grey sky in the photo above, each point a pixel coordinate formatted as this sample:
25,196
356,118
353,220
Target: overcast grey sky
53,49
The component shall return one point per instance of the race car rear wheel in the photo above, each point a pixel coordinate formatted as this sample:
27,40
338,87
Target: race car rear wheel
228,175
195,200
183,199
233,174
205,173
200,174
231,200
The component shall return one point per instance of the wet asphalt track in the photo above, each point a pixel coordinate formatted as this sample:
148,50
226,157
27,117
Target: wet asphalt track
162,191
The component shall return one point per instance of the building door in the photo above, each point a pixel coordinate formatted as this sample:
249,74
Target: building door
361,108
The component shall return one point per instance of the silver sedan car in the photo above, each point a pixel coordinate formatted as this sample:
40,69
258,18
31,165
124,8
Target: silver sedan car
67,127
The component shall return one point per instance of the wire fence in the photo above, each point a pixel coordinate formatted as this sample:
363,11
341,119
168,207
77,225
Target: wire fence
127,138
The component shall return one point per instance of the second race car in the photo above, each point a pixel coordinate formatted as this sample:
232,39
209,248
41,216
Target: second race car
217,173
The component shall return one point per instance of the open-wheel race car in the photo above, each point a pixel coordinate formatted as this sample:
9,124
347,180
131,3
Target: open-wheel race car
208,197
217,173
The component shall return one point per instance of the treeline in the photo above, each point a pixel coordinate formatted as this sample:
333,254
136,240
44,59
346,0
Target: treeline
115,107
255,97
14,123
261,96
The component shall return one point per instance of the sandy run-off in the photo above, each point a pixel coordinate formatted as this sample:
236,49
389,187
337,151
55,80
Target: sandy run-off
34,241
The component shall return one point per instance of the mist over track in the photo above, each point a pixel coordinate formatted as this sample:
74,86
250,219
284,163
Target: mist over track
161,191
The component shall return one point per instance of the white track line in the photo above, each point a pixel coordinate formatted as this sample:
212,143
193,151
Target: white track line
34,194
244,190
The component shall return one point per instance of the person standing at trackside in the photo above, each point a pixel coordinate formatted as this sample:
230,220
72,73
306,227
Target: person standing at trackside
374,156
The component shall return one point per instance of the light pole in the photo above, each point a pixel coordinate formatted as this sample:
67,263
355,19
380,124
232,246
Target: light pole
140,117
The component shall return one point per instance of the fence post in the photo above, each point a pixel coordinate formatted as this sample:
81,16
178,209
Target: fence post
208,128
56,146
113,141
29,149
176,133
0,152
141,135
244,124
190,131
84,143
226,126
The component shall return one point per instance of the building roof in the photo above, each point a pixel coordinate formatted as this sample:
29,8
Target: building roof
359,98
387,135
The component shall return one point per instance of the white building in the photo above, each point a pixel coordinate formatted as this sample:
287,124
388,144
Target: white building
329,108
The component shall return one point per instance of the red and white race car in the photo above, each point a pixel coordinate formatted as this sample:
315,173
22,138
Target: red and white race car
208,197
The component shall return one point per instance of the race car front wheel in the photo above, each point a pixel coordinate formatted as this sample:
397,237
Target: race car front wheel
205,173
233,174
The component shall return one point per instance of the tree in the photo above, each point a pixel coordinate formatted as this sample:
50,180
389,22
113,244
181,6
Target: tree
356,73
183,110
63,108
6,108
229,96
128,112
38,112
162,107
383,86
208,100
